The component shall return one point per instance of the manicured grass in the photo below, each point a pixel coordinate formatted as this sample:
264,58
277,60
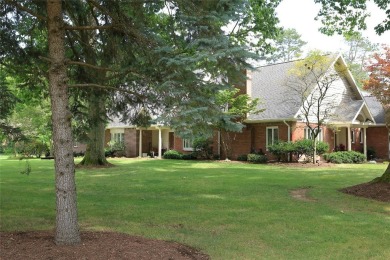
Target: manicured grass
228,210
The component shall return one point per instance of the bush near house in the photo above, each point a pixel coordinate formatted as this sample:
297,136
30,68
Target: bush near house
202,149
345,157
257,158
301,147
242,158
172,154
115,149
281,150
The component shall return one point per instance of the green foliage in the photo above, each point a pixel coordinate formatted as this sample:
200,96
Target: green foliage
189,156
115,149
345,157
172,154
322,147
257,158
357,55
27,169
29,148
242,157
202,148
299,148
287,46
348,16
371,153
281,149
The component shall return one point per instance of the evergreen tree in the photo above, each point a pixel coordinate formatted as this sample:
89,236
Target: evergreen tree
287,46
178,52
359,49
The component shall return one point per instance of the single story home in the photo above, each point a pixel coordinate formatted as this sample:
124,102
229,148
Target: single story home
356,120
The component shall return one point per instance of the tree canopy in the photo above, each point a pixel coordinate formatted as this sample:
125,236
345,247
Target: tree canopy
172,54
286,47
347,16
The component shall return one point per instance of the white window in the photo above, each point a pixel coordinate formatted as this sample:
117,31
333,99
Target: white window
308,134
361,135
187,144
353,136
272,135
117,137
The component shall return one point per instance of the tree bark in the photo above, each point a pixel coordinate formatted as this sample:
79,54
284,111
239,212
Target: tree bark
95,154
67,230
385,177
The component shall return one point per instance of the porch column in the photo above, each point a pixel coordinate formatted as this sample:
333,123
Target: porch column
365,142
159,142
349,138
140,143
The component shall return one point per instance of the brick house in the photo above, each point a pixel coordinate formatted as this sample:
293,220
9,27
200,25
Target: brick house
357,122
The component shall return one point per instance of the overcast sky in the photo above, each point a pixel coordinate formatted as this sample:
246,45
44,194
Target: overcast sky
300,14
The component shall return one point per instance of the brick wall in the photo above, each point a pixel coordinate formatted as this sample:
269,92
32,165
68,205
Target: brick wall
377,138
131,147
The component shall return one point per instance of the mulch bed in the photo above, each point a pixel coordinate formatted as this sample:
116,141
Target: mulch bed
372,190
94,245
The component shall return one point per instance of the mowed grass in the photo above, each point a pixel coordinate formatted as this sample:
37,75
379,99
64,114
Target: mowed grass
227,210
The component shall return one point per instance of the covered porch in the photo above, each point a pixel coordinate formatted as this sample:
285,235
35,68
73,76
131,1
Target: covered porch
153,141
352,135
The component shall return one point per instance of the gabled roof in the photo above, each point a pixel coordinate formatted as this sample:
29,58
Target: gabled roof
376,108
270,84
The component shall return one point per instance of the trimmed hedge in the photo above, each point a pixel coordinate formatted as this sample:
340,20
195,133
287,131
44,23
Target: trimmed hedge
172,154
345,157
242,158
300,147
257,158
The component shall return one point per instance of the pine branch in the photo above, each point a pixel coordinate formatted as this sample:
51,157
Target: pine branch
25,9
89,65
88,28
107,87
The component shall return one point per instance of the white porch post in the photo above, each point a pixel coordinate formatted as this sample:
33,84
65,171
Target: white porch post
365,142
140,143
349,138
159,142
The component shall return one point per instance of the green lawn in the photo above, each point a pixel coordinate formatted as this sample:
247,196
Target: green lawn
228,210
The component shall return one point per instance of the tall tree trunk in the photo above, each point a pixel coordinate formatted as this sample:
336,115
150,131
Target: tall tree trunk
385,177
67,230
314,151
95,154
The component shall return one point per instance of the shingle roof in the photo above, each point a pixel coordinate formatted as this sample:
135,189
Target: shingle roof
347,111
269,84
376,109
116,123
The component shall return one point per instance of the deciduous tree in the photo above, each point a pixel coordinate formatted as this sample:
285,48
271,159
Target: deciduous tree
312,82
348,16
378,84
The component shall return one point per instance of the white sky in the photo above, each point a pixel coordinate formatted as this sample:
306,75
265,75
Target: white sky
300,14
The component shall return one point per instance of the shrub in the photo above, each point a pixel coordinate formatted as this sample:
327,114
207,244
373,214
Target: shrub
172,154
202,148
346,157
242,158
281,149
322,148
257,158
189,156
371,154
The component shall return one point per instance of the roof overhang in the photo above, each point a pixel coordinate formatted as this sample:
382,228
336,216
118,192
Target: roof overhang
269,120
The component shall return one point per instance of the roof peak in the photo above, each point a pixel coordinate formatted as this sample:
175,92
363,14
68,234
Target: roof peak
285,62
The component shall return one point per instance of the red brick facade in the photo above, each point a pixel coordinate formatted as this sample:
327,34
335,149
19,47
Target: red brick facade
378,140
